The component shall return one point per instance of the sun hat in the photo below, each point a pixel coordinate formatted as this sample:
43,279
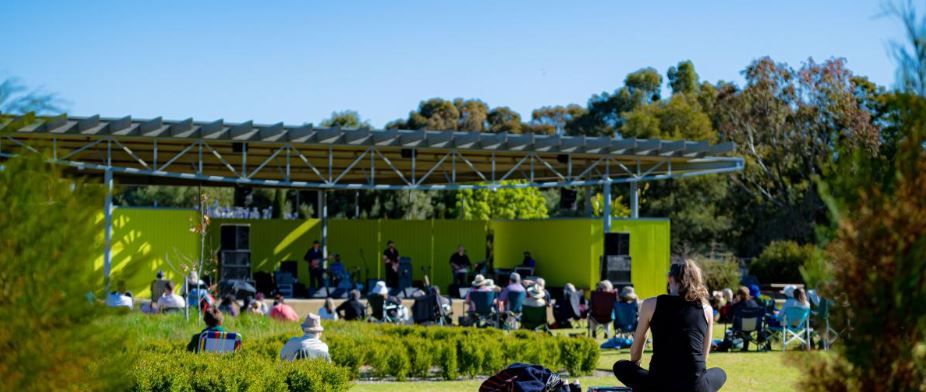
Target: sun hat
490,283
480,281
788,291
312,324
628,292
380,288
536,292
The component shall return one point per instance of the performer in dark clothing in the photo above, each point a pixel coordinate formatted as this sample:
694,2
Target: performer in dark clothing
459,265
682,324
314,256
391,259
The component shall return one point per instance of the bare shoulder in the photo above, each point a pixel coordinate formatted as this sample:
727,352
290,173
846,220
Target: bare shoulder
649,304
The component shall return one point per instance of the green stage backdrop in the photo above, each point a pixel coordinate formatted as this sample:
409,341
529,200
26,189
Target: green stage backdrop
567,250
148,240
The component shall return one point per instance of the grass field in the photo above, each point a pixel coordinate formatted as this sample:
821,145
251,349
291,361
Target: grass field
761,372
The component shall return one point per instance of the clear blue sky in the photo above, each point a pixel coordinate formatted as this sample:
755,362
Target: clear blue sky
298,61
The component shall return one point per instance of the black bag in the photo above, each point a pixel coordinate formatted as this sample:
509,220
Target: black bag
522,377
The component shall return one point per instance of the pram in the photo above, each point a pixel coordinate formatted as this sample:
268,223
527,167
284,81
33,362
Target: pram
383,310
429,309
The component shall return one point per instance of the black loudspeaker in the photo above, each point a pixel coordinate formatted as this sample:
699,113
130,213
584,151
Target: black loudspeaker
235,265
617,244
290,266
243,195
567,198
405,272
616,263
236,237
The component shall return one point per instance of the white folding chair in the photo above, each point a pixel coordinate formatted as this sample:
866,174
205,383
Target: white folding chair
795,326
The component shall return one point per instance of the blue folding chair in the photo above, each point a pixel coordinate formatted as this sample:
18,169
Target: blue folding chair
795,326
513,307
485,313
625,318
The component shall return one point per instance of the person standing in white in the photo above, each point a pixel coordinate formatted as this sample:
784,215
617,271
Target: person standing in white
309,345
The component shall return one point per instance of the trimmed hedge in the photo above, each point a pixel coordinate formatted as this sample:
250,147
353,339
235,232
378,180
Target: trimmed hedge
357,350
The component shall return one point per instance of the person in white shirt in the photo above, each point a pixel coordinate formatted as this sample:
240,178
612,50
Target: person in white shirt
327,311
117,299
169,300
309,345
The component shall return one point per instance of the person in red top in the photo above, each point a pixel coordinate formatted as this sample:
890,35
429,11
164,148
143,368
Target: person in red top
281,311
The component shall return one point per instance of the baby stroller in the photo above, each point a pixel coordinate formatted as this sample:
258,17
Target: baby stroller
432,308
383,310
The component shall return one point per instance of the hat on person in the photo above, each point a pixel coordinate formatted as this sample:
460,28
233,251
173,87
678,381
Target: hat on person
536,292
788,291
628,292
754,291
490,283
312,324
480,281
380,288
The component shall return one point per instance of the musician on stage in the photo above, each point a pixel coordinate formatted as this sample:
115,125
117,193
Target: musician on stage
460,265
314,256
391,259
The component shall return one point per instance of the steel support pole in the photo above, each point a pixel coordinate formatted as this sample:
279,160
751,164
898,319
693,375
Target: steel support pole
634,201
107,228
323,202
607,206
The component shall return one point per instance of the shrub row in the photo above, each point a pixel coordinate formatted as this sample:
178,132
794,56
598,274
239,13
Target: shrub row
399,352
185,372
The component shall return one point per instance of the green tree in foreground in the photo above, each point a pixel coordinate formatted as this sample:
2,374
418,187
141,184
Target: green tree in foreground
51,338
879,261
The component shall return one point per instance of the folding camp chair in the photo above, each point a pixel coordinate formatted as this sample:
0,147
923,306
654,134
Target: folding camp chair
625,318
485,312
826,332
514,305
534,317
380,309
747,325
795,326
219,342
601,312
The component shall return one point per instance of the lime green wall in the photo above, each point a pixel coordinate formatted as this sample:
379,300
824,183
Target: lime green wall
361,242
649,253
569,250
148,240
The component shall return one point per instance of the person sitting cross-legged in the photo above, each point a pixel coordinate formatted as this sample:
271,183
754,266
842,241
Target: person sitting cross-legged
682,325
309,345
352,309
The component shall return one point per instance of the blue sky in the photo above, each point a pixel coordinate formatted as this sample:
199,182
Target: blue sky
299,61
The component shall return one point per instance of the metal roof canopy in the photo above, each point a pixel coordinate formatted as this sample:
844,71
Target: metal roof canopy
278,155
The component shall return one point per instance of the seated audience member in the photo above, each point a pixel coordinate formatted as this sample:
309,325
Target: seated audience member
628,295
170,301
599,307
514,286
725,308
229,306
260,304
535,297
480,283
157,286
327,311
798,299
568,307
120,297
309,345
199,296
213,319
281,311
741,300
352,309
254,309
528,261
682,324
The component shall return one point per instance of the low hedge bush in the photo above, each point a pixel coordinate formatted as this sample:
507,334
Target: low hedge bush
357,350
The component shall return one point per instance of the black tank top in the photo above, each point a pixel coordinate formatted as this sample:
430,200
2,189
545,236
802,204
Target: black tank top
679,330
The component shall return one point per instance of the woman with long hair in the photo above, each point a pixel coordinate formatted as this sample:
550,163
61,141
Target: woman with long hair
682,324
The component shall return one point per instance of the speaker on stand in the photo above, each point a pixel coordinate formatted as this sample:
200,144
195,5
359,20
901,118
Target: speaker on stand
615,264
235,257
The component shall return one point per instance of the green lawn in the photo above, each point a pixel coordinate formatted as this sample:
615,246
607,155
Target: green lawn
745,372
